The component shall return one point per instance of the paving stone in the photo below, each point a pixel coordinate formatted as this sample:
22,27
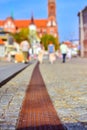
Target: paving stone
82,117
67,87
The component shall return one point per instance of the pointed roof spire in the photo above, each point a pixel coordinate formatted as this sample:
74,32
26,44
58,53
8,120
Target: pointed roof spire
32,19
32,25
12,14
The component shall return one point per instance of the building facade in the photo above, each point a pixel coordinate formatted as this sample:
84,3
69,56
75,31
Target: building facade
43,26
83,32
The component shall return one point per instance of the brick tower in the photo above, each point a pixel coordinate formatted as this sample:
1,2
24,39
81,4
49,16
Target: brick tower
51,8
52,23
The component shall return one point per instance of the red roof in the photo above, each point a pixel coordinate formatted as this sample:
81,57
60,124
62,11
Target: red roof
41,23
21,23
26,23
1,22
68,43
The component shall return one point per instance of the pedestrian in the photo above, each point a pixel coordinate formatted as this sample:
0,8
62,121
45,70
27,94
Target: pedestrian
69,53
25,49
51,51
63,49
30,53
40,52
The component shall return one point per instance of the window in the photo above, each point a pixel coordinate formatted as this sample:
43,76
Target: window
54,23
51,23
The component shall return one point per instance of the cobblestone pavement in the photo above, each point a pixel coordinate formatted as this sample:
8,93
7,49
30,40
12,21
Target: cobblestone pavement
66,85
11,97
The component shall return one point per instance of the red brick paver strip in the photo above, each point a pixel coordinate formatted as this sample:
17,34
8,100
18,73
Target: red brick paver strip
37,112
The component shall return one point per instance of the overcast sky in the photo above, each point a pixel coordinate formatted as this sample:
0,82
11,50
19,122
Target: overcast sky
67,11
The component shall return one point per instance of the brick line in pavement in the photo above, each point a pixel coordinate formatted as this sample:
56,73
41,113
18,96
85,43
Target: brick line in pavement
37,111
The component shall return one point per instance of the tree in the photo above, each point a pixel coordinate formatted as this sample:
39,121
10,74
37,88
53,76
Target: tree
24,33
47,38
20,36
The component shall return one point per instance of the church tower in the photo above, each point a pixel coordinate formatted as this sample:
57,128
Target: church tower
52,23
52,8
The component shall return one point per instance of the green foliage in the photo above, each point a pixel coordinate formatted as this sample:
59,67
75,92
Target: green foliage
47,38
17,37
22,35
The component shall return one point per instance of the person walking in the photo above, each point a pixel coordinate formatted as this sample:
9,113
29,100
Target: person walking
63,49
40,52
25,49
51,50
